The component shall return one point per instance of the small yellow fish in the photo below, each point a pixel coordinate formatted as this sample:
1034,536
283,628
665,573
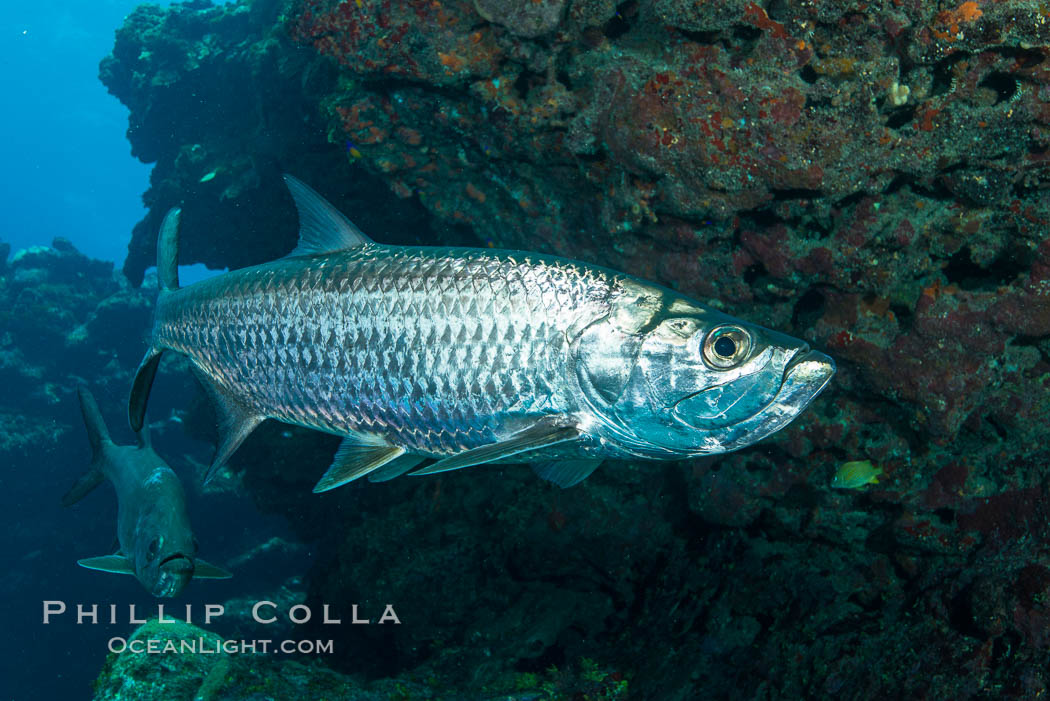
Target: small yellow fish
855,474
209,176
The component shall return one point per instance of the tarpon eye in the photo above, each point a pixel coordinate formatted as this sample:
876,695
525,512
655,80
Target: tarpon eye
154,548
726,347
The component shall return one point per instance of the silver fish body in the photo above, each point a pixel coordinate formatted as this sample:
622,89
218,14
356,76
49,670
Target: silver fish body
435,350
470,356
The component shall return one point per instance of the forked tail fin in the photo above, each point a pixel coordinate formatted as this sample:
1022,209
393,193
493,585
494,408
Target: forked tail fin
98,436
98,433
168,278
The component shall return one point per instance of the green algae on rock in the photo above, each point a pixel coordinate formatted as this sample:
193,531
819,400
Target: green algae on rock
217,671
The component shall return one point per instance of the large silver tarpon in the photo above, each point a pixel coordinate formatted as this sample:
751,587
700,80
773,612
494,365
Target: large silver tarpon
469,356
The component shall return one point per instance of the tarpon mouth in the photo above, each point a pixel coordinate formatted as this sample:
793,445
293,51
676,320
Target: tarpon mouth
171,558
810,367
175,572
805,376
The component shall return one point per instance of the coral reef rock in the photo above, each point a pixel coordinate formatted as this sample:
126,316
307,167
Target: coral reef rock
870,177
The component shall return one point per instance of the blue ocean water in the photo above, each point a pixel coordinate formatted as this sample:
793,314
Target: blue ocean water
68,169
68,172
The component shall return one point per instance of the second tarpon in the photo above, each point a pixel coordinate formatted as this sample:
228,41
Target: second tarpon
156,544
469,356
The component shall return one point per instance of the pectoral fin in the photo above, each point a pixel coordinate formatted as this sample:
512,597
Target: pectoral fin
566,473
541,435
115,564
355,459
236,421
206,570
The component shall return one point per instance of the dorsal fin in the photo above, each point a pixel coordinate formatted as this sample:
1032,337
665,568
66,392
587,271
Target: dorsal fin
322,227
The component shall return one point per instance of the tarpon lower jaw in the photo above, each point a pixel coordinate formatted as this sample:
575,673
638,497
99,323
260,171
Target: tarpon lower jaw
176,572
805,377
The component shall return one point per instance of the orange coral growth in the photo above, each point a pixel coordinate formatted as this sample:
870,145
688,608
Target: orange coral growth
968,12
451,62
964,13
757,16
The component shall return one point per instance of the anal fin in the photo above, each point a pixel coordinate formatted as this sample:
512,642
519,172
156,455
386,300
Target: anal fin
355,459
566,473
236,421
114,564
540,435
395,468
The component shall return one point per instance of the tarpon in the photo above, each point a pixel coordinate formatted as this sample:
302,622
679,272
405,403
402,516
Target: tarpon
469,356
156,544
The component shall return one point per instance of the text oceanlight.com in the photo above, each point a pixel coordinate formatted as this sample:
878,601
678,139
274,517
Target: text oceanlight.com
205,646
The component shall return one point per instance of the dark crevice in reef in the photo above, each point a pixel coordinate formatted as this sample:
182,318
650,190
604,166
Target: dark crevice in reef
1024,58
705,38
526,81
796,193
961,270
943,81
808,309
745,33
563,77
1040,343
761,218
754,273
997,426
740,41
850,200
620,24
819,102
935,190
903,315
900,117
1004,85
899,181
